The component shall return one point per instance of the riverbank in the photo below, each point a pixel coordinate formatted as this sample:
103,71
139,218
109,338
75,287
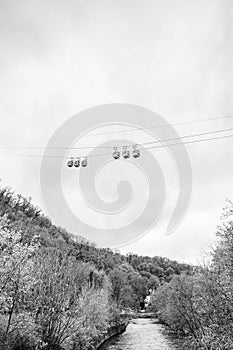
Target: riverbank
143,315
111,332
147,315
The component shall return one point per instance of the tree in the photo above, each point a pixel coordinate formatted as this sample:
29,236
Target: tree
153,283
118,281
16,278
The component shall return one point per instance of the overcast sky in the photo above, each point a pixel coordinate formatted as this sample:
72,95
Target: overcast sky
172,56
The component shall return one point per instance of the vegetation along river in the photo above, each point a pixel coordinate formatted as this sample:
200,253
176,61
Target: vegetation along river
141,334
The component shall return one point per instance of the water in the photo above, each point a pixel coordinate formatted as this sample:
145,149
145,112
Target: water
141,334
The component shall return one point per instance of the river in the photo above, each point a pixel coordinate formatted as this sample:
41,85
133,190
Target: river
141,334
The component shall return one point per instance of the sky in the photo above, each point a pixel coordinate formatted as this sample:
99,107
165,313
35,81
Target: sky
173,57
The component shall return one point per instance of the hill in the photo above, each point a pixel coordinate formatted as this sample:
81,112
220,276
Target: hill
60,291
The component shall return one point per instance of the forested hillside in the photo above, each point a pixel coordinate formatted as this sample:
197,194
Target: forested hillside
57,290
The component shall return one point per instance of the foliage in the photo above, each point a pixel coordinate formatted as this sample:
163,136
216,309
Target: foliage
57,290
200,306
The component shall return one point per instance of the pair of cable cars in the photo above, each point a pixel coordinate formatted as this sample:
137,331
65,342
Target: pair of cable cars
77,162
126,153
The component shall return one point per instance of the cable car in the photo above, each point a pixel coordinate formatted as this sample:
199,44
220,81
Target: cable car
135,152
84,162
77,162
125,153
116,154
70,163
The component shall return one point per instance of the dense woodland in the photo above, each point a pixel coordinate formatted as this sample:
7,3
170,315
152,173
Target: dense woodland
58,291
199,307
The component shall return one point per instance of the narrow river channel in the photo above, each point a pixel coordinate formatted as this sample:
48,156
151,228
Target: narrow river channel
141,334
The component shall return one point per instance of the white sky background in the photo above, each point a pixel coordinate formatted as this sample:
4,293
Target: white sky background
174,56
